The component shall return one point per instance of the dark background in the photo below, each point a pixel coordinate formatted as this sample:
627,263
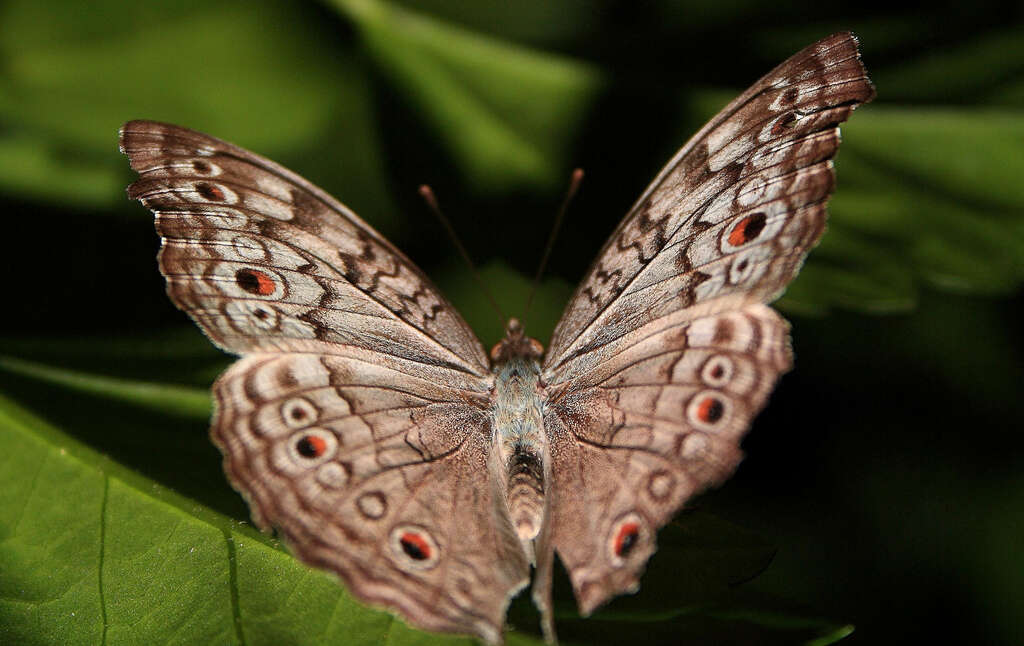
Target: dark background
886,468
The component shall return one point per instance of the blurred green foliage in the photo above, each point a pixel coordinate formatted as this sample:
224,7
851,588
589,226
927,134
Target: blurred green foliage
886,472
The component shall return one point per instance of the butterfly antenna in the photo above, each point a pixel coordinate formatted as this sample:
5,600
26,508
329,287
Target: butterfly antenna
428,196
574,185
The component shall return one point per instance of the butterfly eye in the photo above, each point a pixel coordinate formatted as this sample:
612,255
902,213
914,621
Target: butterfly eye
333,474
255,282
626,540
414,547
660,486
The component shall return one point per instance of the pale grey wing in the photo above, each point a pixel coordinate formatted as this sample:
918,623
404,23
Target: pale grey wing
666,351
370,469
259,257
649,428
730,218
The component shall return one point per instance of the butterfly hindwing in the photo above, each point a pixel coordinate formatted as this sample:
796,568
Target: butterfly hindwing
647,430
370,468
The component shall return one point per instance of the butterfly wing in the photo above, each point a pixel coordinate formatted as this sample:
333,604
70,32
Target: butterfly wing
356,422
666,351
369,469
731,217
259,257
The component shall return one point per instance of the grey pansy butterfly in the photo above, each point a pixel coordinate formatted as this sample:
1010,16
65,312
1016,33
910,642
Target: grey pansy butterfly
366,423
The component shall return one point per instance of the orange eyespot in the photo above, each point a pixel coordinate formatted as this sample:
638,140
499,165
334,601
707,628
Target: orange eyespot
747,229
254,282
710,410
210,192
626,539
415,546
311,446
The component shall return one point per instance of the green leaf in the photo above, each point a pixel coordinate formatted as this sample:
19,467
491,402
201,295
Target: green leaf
260,73
507,114
191,402
91,552
978,69
128,546
181,356
924,197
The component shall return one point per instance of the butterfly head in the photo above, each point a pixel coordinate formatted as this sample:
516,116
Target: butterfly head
516,344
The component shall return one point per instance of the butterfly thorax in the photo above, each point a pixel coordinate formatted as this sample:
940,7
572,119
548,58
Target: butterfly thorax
518,428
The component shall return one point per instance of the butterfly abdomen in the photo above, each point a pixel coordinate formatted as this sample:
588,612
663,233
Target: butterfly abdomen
519,442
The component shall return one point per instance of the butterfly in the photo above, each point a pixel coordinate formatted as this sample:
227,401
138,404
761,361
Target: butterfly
368,426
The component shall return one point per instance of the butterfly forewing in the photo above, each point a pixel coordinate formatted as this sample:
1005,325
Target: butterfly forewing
259,257
732,214
665,352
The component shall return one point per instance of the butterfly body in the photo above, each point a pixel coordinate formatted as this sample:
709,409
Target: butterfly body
365,423
520,443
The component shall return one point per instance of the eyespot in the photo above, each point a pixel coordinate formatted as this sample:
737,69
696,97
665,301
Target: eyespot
749,265
747,229
251,317
413,547
372,505
298,412
312,446
333,474
717,371
250,249
626,536
708,410
660,485
212,192
203,167
255,281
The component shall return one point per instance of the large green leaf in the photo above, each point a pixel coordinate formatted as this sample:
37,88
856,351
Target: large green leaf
925,197
92,553
259,73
